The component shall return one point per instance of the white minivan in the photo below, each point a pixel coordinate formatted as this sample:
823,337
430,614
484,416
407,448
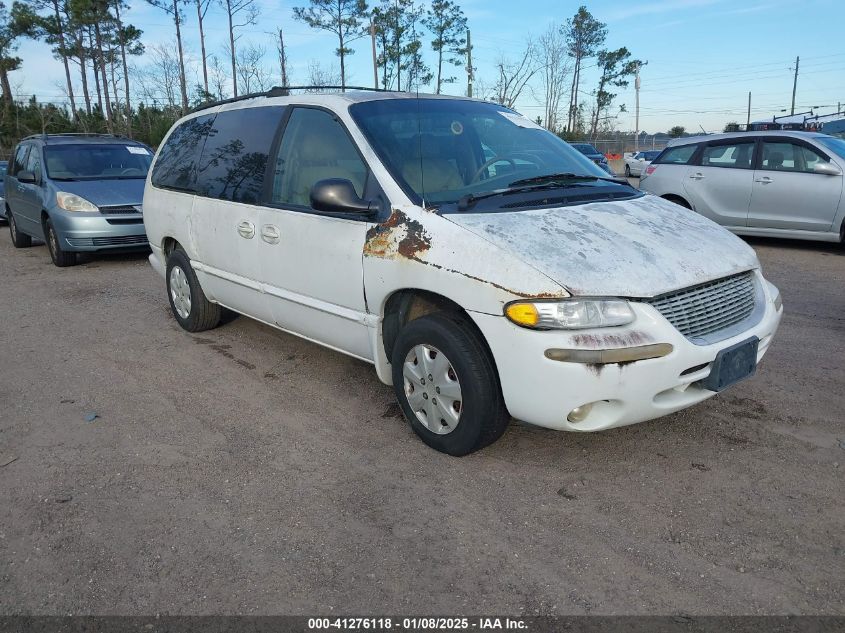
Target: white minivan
484,267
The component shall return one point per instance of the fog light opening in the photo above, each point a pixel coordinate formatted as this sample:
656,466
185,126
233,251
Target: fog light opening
579,414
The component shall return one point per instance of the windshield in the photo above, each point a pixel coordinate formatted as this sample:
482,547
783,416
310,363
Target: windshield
835,145
585,148
440,150
651,155
97,161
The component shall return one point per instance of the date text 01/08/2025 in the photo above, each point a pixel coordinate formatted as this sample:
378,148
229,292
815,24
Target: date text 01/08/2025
415,624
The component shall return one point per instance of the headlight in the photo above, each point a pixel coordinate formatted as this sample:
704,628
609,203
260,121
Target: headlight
72,202
570,314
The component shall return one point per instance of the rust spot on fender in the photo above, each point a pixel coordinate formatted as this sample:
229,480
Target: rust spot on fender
398,236
603,341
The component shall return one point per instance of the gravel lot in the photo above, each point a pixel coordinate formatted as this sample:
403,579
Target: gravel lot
243,470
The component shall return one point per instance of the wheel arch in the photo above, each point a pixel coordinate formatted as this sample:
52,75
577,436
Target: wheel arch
408,304
679,200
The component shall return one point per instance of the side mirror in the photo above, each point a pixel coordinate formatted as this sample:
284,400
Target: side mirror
26,177
827,169
337,195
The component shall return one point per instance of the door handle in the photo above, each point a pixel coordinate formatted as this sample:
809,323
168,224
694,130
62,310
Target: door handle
697,176
246,230
764,179
270,234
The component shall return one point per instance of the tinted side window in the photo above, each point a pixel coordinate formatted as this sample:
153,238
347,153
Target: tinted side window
315,147
676,155
177,161
20,159
33,163
235,155
734,155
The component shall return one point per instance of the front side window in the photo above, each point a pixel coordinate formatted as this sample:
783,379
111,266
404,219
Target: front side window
33,163
97,161
20,159
677,155
785,156
315,147
733,155
234,158
175,167
442,150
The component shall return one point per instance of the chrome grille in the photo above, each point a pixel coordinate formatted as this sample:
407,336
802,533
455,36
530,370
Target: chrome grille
710,307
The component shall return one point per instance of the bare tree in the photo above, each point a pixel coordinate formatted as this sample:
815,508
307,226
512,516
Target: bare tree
202,9
320,76
253,76
514,75
159,79
554,70
240,13
218,77
171,7
282,50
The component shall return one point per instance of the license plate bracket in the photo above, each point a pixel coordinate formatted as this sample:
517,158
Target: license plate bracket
733,364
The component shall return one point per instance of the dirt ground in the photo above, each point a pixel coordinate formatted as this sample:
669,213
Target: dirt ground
243,470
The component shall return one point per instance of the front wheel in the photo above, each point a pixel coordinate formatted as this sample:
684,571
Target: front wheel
19,240
447,385
192,309
60,257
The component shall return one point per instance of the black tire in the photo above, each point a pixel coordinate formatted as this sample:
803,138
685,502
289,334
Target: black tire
679,201
627,171
483,415
60,257
18,239
202,315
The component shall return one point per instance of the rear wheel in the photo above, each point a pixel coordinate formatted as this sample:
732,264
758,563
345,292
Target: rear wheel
60,257
18,239
190,307
447,385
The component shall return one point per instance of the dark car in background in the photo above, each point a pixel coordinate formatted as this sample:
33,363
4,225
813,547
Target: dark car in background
594,155
78,193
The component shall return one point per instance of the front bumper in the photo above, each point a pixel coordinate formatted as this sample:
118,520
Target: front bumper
543,391
95,232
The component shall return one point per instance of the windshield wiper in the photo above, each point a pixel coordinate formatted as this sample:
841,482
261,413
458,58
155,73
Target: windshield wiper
552,178
467,201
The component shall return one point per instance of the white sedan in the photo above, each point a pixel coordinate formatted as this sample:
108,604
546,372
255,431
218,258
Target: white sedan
636,163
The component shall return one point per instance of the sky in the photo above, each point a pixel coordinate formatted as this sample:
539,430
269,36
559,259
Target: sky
703,56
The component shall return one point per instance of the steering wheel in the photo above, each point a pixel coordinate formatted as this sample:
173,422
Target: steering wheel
492,161
130,171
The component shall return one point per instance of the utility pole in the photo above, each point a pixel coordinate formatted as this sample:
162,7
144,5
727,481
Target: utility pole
375,57
748,118
795,85
637,117
469,65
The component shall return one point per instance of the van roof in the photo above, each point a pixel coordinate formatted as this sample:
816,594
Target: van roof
352,94
689,140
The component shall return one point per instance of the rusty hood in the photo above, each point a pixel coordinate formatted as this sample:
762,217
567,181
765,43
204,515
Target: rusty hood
634,248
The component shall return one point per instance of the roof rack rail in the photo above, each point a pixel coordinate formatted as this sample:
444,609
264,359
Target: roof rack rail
45,135
279,91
